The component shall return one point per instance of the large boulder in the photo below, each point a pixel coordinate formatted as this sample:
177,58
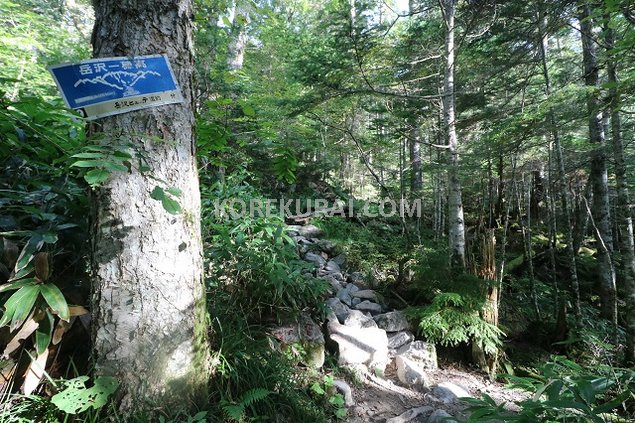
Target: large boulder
366,294
302,335
316,259
368,346
372,308
357,319
412,415
448,392
420,352
310,231
393,321
440,416
410,372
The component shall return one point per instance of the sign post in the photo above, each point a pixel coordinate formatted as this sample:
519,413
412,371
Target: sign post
108,86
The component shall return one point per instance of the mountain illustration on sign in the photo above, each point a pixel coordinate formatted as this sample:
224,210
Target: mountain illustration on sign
120,80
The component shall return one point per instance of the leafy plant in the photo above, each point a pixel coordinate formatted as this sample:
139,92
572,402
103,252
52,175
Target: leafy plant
564,391
76,397
326,389
235,411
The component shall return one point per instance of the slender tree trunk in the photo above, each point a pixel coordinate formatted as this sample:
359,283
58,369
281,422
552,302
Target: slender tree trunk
148,299
416,176
564,192
624,217
238,38
599,174
456,224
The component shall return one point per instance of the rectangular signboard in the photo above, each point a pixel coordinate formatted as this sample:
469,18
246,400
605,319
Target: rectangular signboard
108,86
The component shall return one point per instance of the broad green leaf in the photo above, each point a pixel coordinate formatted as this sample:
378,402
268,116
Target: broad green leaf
76,397
89,156
20,305
248,110
89,163
170,205
157,193
43,333
17,285
31,247
55,300
96,176
175,191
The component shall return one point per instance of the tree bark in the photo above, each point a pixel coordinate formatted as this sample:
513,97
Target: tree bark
624,217
238,41
599,174
456,223
148,298
416,176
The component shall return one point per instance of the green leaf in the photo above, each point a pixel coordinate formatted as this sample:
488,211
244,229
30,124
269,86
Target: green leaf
19,305
43,333
226,21
17,285
96,176
76,398
248,110
175,191
170,205
55,299
157,193
29,250
89,156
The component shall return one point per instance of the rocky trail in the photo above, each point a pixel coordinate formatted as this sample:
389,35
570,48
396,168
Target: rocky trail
394,377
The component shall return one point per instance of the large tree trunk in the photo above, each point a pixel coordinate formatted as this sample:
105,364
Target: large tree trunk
599,174
456,224
238,41
148,295
624,217
416,176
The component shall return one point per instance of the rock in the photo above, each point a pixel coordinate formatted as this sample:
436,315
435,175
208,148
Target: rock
420,352
310,231
293,230
333,267
336,285
356,277
339,309
359,345
344,389
394,321
355,302
440,416
366,305
352,288
315,259
410,415
410,372
307,334
344,296
366,294
399,339
327,246
340,260
448,392
357,319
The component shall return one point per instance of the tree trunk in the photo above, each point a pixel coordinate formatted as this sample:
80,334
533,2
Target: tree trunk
564,192
624,217
456,224
148,299
238,41
416,177
599,174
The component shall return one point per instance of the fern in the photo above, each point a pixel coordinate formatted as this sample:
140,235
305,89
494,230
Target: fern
236,411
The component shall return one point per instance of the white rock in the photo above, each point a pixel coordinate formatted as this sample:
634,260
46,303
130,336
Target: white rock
357,319
345,390
448,392
310,231
315,259
359,345
366,305
393,321
410,372
366,294
410,415
423,353
440,416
